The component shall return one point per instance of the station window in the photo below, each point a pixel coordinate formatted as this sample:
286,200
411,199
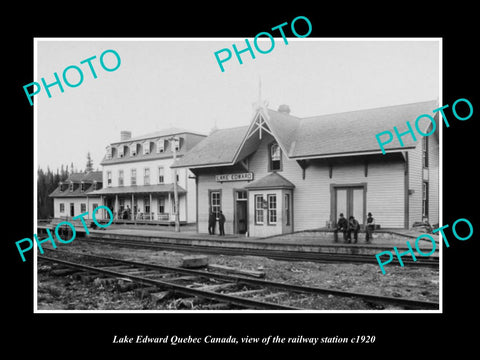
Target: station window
425,199
94,206
275,158
62,207
215,202
272,208
133,176
259,209
425,152
287,208
120,177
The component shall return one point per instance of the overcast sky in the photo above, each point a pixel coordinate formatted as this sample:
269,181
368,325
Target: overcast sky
172,82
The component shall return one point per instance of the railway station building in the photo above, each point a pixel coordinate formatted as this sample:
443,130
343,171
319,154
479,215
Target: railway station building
283,173
138,182
73,196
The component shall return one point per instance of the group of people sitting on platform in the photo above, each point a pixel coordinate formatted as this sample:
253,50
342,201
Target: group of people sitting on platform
352,226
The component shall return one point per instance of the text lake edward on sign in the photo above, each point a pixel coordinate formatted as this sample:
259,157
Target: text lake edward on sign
234,177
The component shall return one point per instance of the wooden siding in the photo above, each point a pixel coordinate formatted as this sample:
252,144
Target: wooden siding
415,179
434,175
311,196
77,206
416,176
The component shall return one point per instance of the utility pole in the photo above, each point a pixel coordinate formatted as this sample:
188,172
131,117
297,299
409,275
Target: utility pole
173,141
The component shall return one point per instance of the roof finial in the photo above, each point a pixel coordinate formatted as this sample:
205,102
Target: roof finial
259,89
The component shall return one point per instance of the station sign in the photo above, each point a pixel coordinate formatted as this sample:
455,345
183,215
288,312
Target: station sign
234,177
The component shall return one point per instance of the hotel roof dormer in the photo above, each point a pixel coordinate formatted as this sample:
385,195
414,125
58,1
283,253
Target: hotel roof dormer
152,146
79,185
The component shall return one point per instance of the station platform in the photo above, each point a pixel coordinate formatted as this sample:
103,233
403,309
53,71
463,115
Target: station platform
318,240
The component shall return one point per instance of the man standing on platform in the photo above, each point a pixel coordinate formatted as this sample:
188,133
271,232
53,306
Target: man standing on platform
211,223
370,228
221,222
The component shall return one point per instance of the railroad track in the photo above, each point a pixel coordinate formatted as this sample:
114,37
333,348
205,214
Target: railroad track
272,254
237,291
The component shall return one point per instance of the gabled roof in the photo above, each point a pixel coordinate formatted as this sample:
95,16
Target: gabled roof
271,181
216,150
342,134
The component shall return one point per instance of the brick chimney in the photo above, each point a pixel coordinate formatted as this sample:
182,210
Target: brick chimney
284,109
125,135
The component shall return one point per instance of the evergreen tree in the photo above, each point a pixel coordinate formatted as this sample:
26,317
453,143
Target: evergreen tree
89,165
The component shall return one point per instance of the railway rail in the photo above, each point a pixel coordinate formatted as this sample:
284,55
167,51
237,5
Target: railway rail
237,291
272,254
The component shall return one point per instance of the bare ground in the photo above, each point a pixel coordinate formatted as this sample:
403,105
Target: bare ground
69,293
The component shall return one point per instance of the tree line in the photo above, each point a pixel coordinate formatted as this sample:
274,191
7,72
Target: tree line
48,180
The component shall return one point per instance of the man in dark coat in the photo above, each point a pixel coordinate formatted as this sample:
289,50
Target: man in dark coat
370,228
353,226
211,223
342,225
221,222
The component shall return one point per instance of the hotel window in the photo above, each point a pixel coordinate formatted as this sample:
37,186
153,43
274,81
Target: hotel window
133,176
121,151
82,186
83,207
133,149
70,187
161,205
215,202
146,176
109,152
109,178
120,177
272,209
62,207
176,144
259,209
121,204
146,148
425,199
94,206
287,208
161,175
425,152
275,158
146,202
160,146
